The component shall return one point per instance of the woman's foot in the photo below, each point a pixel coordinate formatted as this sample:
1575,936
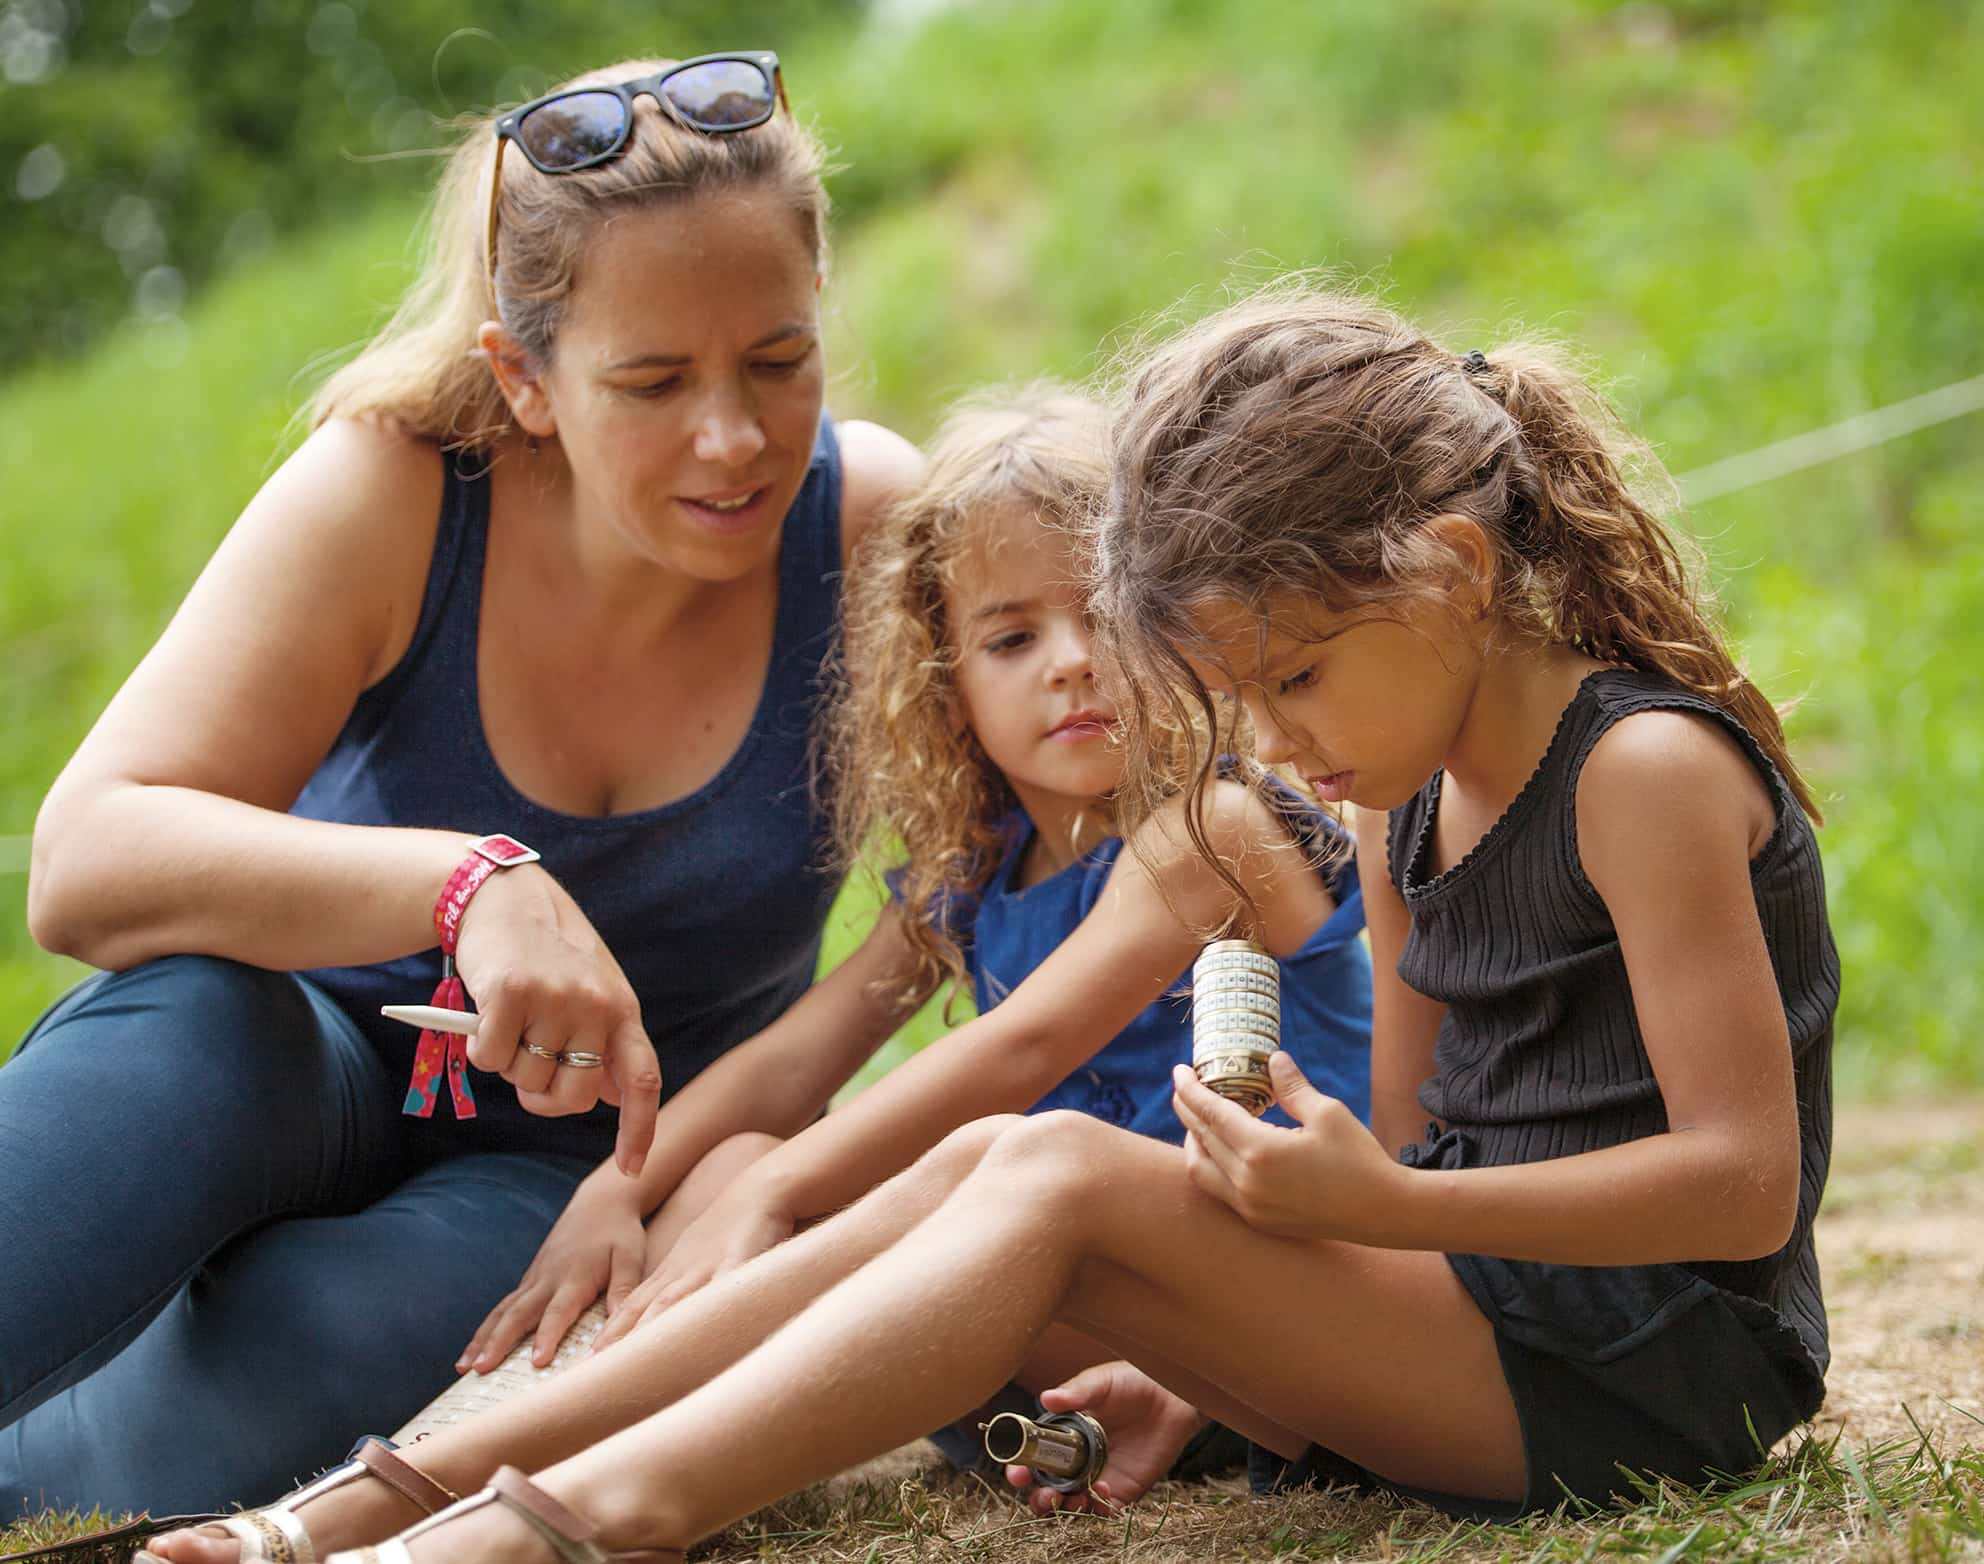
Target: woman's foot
374,1495
512,1521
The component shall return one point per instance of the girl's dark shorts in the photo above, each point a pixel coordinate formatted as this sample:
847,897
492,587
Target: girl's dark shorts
1649,1370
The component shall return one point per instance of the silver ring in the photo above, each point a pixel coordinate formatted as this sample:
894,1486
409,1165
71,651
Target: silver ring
541,1052
580,1059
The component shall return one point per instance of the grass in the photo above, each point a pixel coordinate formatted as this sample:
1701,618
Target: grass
1818,1499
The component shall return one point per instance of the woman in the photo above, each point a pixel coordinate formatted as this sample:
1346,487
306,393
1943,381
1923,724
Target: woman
556,562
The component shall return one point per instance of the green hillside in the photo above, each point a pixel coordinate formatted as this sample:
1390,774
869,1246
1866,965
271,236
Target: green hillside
1756,219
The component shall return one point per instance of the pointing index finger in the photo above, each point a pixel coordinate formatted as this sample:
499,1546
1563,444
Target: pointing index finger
637,1079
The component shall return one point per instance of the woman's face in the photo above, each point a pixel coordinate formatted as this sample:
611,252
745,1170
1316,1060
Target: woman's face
686,381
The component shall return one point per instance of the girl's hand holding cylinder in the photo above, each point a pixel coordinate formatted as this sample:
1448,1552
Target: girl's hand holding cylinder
1326,1178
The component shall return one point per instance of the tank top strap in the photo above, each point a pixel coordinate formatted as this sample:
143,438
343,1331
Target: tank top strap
1404,827
1606,699
809,555
1617,693
444,636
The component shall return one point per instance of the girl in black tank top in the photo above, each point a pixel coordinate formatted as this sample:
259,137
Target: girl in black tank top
1605,981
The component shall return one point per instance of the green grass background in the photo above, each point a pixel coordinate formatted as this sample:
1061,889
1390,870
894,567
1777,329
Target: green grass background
1756,219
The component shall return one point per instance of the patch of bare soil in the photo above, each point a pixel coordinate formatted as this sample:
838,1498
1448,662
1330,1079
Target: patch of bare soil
1901,1249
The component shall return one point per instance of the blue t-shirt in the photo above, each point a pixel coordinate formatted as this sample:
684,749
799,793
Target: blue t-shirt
1006,932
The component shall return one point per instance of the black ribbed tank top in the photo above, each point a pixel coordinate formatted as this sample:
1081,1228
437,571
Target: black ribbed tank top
1539,1054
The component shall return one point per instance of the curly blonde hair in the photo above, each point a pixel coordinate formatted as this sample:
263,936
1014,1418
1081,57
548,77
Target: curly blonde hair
1303,436
424,369
910,784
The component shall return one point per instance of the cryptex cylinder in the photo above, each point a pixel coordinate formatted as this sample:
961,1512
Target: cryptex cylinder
1236,1020
1064,1450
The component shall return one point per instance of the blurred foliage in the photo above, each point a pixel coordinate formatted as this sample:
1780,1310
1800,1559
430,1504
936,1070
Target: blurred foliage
1757,219
147,143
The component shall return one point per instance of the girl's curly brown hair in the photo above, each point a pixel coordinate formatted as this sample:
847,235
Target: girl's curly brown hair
910,784
1299,440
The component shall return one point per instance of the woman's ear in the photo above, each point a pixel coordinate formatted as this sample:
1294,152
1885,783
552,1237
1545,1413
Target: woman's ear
516,372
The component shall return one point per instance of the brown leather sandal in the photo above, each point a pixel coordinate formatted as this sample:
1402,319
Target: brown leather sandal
276,1533
570,1536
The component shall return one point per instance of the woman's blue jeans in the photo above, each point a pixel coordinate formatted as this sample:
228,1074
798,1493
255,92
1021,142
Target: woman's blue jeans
224,1253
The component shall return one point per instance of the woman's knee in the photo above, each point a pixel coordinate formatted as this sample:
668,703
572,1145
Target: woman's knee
204,1002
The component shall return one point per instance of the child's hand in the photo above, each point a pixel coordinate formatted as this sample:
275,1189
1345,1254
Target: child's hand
595,1246
1326,1178
1147,1426
739,1225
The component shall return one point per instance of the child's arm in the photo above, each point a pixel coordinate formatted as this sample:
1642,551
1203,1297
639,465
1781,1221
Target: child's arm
1119,961
1404,1022
1670,814
772,1083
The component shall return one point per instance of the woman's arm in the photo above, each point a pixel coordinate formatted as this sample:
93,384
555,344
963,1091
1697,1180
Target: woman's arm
166,833
1404,1022
1670,813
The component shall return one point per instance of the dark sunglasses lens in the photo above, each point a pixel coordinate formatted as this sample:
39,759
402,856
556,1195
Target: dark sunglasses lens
721,95
574,129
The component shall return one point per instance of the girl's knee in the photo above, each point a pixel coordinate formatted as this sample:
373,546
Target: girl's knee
1052,1161
968,1143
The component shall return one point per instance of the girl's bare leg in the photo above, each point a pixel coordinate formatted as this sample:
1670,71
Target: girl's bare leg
1379,1354
660,1361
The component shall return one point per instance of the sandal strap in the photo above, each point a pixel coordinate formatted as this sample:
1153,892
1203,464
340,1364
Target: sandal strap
274,1534
410,1483
570,1535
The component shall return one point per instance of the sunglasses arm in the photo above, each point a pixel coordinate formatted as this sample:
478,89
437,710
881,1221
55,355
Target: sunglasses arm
489,244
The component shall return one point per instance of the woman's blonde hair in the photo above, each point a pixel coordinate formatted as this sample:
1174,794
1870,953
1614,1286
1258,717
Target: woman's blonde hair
1295,443
910,782
424,368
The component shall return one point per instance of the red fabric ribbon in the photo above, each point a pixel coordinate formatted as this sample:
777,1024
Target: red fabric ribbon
442,1054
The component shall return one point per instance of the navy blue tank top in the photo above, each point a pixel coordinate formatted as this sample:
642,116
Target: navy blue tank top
713,904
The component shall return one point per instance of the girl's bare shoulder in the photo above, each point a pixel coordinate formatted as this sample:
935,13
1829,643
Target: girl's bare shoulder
1251,841
1671,783
878,467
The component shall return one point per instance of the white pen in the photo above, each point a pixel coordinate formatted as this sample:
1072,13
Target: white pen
462,1023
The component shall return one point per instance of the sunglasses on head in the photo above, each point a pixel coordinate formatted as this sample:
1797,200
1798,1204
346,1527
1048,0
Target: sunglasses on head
581,127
